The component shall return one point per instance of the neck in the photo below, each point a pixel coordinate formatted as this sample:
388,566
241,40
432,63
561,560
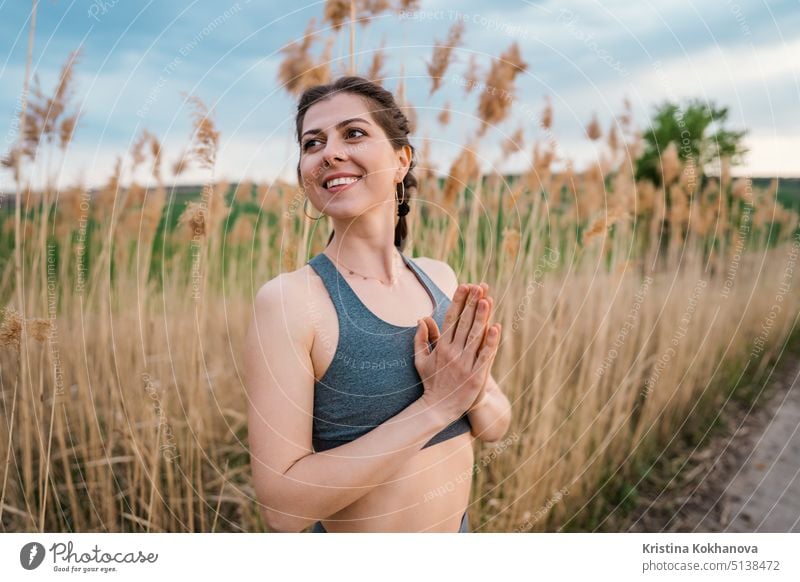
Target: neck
381,262
366,245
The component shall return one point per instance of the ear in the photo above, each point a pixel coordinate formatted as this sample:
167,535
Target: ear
404,160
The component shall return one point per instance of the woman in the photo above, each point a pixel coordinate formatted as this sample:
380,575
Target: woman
368,374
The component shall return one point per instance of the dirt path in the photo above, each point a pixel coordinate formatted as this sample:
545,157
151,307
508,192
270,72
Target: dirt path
747,479
764,496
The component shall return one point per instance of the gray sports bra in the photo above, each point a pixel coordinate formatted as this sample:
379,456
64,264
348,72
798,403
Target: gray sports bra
372,376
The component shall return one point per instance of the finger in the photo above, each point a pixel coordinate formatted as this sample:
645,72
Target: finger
486,356
467,316
433,331
454,312
475,336
421,339
486,327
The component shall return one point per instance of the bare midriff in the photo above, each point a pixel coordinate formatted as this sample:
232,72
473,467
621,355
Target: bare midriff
428,493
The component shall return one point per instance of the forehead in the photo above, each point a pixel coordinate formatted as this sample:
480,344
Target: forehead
327,113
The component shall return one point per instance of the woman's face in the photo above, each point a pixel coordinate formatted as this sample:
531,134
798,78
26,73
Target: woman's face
341,139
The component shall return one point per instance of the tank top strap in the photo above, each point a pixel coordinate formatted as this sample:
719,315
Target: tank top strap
432,287
348,305
343,297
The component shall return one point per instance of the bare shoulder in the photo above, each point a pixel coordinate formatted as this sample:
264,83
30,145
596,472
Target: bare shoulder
441,273
286,296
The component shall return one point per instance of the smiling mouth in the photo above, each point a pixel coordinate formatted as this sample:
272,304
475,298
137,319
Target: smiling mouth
339,184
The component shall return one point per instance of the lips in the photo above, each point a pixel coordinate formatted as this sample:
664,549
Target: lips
339,182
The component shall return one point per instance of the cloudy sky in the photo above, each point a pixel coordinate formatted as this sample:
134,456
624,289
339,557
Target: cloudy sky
139,57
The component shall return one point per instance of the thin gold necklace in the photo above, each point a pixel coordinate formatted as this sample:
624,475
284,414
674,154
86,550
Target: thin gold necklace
365,277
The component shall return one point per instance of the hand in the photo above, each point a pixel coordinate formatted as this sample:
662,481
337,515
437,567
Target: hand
485,389
454,371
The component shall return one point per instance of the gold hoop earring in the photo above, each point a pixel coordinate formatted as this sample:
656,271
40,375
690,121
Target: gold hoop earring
402,206
306,213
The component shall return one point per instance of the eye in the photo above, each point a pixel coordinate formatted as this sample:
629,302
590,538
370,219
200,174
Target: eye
306,144
348,133
352,129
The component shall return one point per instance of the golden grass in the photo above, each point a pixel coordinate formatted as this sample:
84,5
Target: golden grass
442,55
495,102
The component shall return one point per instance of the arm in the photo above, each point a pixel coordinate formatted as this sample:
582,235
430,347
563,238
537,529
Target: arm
294,485
490,416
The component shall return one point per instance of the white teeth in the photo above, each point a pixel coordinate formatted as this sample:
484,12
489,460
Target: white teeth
343,180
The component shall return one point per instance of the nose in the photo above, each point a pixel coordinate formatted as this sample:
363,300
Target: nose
334,152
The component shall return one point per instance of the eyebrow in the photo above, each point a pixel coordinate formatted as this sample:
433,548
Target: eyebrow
338,125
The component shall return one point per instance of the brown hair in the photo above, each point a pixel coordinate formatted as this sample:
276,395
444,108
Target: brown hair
388,116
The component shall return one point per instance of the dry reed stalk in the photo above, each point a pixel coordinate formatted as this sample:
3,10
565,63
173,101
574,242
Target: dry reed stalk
138,155
670,164
243,192
602,223
205,139
464,168
442,55
425,169
320,72
444,115
593,130
472,74
593,192
510,245
623,188
67,130
546,116
450,239
336,13
688,178
134,196
514,143
512,202
8,329
645,196
242,231
495,102
151,212
375,72
537,178
298,71
402,102
11,327
612,138
180,164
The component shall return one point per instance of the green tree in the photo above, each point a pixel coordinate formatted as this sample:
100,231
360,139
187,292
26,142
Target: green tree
699,132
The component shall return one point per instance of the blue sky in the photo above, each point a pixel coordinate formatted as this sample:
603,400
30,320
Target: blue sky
138,56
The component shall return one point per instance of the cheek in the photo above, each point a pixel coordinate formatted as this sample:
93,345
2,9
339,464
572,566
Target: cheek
308,169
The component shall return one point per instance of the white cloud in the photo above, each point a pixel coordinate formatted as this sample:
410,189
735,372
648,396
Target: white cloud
716,70
772,155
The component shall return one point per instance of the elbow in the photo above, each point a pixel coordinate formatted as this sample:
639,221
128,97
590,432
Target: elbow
280,523
283,522
280,515
491,436
495,431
